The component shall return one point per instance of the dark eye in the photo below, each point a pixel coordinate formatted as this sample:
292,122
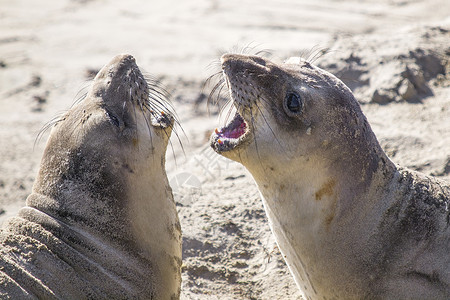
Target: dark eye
113,119
294,102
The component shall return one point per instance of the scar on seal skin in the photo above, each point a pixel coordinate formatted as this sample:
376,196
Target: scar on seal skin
350,223
100,222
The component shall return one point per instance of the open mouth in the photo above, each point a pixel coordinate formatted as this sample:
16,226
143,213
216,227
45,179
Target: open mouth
161,119
232,135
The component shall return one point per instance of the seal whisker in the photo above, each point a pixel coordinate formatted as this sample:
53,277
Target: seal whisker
157,89
319,53
315,53
228,101
229,104
82,93
157,102
264,53
251,48
224,98
46,127
173,150
247,48
177,124
161,99
213,76
159,105
158,98
79,98
75,124
210,101
156,86
174,130
220,88
148,123
166,133
214,65
216,88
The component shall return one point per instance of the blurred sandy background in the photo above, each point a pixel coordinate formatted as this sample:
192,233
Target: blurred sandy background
393,54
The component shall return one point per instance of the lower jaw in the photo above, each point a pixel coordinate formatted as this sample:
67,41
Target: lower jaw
219,145
162,121
228,145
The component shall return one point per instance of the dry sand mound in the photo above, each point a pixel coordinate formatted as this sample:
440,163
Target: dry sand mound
405,67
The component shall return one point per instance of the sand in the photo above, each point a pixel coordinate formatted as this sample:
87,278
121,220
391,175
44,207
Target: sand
393,54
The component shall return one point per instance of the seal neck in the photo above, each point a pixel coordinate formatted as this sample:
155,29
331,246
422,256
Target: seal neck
144,225
321,188
316,206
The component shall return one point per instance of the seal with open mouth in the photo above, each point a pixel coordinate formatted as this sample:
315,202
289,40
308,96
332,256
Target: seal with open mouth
101,221
349,222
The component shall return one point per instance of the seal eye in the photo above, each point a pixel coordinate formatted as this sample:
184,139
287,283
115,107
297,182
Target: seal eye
294,102
113,119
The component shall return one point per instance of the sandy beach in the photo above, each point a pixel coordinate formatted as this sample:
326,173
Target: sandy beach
393,54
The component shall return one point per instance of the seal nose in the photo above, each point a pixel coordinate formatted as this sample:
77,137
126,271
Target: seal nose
127,59
122,59
238,62
228,57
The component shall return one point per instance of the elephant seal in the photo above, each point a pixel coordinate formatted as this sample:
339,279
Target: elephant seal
349,222
101,221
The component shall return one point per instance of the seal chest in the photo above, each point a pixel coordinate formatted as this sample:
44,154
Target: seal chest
349,223
101,221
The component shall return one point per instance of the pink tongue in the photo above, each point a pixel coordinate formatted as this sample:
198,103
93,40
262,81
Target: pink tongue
236,132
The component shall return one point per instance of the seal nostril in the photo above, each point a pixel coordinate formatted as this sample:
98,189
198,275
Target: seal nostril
258,60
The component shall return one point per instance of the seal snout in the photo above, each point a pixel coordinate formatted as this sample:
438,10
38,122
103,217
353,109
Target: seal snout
238,69
241,57
125,58
124,90
120,65
236,62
